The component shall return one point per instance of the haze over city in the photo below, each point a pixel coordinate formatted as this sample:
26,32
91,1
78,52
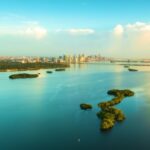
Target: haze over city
113,28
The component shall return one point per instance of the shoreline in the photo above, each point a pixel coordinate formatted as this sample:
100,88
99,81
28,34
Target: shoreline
15,67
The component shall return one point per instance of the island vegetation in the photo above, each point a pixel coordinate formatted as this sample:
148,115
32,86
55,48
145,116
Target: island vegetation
50,72
108,114
132,69
60,69
18,66
85,106
23,76
126,66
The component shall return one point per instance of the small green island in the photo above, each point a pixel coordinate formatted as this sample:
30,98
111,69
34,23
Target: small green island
60,69
108,114
133,70
23,76
85,106
49,72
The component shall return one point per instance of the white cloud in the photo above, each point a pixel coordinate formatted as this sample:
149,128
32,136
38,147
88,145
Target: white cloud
34,31
119,30
138,33
138,26
134,39
135,27
75,31
26,29
81,31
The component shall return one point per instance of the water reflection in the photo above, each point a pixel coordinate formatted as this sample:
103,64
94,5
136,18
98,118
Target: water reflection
44,113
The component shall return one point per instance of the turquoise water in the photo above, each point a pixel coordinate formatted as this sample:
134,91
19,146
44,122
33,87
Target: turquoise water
44,113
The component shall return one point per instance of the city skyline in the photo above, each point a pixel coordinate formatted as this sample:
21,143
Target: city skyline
112,28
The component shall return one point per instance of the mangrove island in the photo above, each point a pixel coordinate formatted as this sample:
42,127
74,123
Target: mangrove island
133,70
60,69
18,66
50,72
85,106
108,114
23,76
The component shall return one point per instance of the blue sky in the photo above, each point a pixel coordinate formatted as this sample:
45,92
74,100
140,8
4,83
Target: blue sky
54,27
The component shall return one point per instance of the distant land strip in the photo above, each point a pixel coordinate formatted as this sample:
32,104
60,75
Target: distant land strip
135,64
17,66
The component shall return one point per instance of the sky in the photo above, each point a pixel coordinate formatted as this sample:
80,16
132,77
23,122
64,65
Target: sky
113,28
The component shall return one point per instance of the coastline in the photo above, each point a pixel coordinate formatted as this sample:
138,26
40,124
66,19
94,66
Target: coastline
14,67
